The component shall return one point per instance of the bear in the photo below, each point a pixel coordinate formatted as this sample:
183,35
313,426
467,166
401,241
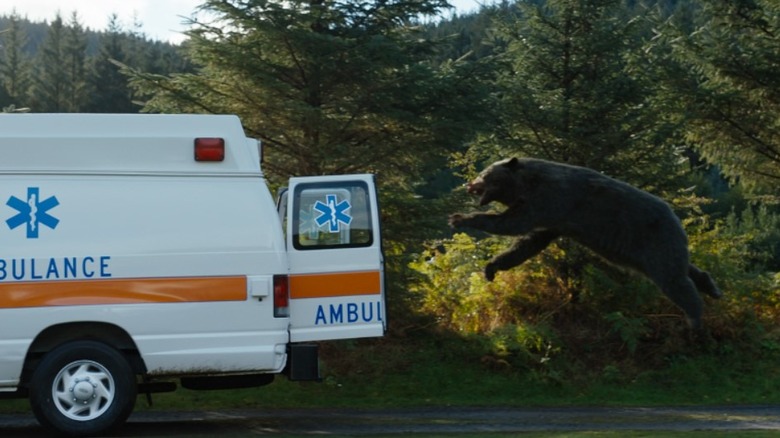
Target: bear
627,226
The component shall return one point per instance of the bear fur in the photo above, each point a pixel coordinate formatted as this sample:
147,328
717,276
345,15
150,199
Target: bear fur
625,225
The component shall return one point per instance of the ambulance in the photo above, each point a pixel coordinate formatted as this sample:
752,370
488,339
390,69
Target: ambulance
142,251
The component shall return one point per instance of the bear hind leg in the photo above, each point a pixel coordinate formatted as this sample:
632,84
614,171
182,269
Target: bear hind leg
703,281
683,293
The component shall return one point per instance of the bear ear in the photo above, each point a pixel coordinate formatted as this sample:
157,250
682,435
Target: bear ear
514,163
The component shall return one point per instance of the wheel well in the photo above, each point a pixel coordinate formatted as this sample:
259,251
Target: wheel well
56,335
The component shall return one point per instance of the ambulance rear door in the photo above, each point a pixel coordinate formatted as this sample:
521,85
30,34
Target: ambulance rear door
334,248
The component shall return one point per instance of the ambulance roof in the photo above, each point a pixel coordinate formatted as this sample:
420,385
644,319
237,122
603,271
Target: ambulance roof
122,143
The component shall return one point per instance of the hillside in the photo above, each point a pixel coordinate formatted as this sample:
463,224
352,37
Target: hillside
60,66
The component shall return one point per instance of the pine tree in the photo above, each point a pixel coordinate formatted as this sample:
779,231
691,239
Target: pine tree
5,99
333,87
49,88
725,82
74,50
109,91
330,87
14,65
571,92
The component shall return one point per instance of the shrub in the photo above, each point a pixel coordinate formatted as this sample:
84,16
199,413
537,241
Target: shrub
567,314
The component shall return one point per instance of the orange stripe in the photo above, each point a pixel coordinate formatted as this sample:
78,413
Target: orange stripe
122,291
335,285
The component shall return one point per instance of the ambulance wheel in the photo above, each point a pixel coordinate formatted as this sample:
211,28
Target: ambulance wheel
83,388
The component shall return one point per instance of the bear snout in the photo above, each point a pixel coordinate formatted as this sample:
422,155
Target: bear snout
476,187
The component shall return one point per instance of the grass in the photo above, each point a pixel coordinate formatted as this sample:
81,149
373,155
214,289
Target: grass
389,373
384,374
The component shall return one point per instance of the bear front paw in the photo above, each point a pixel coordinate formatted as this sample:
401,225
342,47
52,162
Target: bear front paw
490,271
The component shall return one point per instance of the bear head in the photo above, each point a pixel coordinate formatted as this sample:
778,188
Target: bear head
502,181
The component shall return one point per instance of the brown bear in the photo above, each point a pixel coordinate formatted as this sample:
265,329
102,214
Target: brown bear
625,225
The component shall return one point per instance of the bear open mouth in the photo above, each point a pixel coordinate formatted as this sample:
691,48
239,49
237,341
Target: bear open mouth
477,189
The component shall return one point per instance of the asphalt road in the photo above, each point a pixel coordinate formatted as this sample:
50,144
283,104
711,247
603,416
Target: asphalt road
340,422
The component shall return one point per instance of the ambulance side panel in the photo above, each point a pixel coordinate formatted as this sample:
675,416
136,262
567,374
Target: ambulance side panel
183,264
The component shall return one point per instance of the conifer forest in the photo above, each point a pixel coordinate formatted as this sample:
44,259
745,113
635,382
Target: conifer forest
680,98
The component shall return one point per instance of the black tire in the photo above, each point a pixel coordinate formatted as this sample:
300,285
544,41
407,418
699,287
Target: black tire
83,388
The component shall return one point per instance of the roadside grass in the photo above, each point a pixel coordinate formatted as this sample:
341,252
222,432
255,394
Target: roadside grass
435,372
384,374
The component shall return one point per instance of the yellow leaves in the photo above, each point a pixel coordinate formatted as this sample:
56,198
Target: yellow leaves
453,286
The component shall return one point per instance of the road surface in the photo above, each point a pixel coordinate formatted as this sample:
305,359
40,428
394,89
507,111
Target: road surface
339,422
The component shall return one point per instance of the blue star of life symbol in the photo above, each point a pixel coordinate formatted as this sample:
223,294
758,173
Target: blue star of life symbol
333,213
33,212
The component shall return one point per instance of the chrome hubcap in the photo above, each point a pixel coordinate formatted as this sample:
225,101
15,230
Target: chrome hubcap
83,390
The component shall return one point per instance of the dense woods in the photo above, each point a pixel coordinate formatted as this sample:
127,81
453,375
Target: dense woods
680,98
60,66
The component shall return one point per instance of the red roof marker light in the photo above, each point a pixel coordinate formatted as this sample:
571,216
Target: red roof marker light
209,149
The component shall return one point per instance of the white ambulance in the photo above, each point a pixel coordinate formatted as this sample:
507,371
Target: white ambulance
140,249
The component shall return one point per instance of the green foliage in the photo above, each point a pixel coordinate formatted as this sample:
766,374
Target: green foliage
329,87
62,67
335,88
111,91
582,82
509,317
14,67
630,329
48,91
570,92
456,292
737,251
761,225
604,320
665,99
74,65
723,78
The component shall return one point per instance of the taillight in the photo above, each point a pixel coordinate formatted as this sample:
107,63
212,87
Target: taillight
281,296
209,149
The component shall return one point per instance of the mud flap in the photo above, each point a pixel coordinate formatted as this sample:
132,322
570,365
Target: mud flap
303,362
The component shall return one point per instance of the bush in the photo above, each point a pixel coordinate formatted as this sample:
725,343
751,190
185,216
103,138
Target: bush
567,314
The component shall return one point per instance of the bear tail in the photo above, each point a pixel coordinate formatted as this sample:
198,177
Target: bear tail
704,283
